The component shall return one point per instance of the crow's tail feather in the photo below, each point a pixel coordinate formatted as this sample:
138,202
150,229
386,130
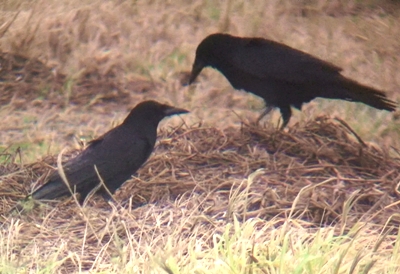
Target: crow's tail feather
51,190
352,91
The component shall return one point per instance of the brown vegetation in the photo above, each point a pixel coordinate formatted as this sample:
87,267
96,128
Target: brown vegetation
71,69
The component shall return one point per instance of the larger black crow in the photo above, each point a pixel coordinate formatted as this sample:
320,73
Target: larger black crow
117,155
281,75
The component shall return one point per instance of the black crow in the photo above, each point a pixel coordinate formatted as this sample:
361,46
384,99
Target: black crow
281,75
116,155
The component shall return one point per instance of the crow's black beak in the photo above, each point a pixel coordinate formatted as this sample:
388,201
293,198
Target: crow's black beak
173,111
197,68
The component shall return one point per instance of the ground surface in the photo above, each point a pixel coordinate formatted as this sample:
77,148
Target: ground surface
218,194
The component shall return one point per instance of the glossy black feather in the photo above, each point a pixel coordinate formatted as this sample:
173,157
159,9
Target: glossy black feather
117,155
281,75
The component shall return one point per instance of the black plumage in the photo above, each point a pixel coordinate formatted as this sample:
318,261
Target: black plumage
117,155
281,75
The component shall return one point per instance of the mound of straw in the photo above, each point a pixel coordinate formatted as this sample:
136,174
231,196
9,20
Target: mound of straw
322,173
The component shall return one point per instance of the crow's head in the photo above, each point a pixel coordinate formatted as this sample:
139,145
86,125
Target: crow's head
151,112
209,52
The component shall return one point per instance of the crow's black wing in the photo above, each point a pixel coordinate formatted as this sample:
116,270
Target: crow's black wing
115,156
267,59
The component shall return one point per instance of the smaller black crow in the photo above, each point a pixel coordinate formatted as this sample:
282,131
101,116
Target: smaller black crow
281,75
117,155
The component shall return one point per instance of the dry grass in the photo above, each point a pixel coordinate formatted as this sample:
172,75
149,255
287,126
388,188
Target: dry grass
218,194
204,188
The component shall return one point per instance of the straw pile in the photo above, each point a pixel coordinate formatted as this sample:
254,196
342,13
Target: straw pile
319,173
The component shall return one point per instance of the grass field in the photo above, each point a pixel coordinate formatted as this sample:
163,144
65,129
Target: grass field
218,194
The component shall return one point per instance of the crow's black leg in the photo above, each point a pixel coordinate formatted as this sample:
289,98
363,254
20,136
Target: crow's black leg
286,113
82,196
268,109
